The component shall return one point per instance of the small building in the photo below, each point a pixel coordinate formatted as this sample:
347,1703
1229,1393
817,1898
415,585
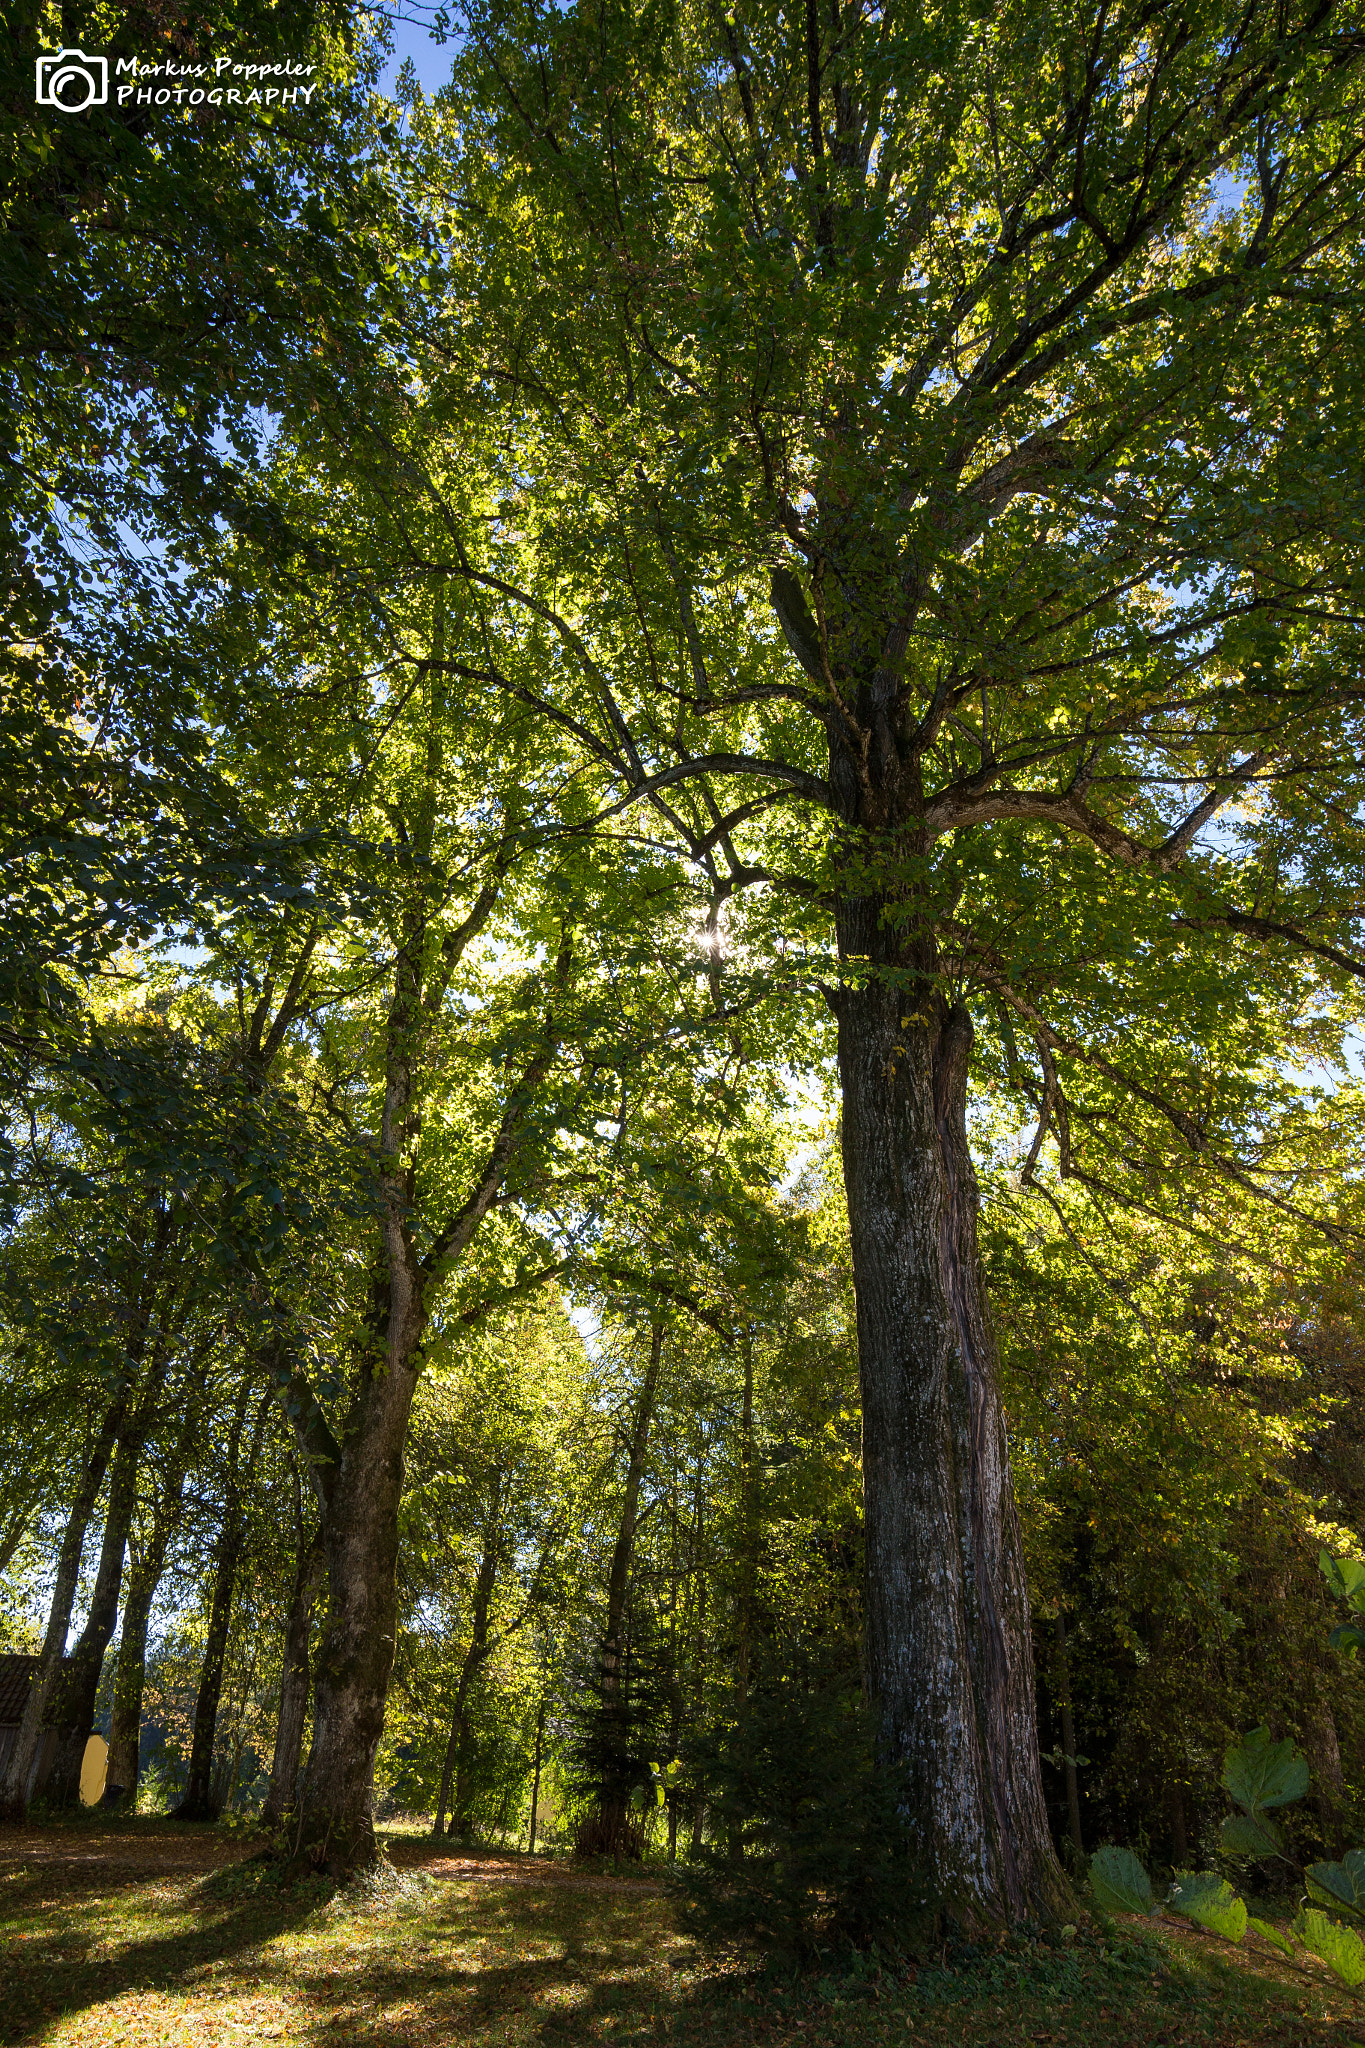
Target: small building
16,1675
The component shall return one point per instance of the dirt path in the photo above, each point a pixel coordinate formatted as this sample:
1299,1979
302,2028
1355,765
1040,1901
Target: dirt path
504,1866
138,1845
149,1847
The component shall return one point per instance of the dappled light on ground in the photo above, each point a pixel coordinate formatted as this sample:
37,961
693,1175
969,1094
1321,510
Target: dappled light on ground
145,1932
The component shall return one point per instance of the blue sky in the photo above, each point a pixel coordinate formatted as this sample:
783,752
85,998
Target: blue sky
411,21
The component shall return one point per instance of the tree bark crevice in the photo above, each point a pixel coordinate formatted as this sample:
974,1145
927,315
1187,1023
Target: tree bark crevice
950,1663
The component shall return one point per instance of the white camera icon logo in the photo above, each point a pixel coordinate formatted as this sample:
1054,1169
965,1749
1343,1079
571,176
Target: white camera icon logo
71,81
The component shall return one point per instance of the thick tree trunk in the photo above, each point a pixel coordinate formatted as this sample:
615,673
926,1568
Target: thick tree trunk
360,1535
623,1550
23,1756
293,1717
950,1663
198,1802
438,1825
675,1690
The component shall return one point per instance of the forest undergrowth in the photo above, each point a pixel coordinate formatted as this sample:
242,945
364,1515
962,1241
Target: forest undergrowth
145,1931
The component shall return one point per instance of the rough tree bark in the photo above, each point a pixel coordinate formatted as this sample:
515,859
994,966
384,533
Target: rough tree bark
360,1540
28,1736
199,1802
949,1653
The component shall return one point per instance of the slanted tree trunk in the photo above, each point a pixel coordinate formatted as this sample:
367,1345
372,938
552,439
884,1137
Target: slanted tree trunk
198,1802
23,1756
607,1835
949,1655
75,1709
310,1561
15,1527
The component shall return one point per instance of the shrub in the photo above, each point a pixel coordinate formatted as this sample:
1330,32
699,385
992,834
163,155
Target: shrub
807,1852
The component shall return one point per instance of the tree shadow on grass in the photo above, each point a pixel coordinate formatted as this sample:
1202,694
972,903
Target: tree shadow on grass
480,1964
74,1936
60,1939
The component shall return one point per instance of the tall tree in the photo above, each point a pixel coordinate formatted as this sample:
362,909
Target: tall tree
933,456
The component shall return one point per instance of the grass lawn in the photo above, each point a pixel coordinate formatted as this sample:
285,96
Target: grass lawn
145,1932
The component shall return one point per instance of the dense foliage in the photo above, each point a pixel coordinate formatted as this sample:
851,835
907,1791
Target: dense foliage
577,650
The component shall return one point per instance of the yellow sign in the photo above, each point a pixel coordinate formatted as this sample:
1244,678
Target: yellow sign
94,1764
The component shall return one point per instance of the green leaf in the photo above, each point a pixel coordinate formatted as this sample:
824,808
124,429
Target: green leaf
1271,1934
1259,1772
1119,1882
1347,1636
1209,1901
1243,1835
1345,1577
1339,1947
1334,1885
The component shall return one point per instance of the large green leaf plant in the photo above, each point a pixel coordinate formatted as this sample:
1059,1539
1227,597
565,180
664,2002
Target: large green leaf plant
1345,1578
1260,1774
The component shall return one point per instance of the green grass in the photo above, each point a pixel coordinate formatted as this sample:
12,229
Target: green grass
144,1932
